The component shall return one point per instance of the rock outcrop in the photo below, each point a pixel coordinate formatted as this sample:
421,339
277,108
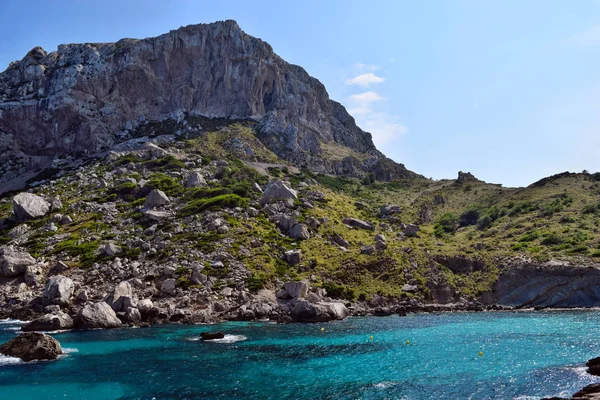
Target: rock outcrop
31,346
83,98
531,285
49,322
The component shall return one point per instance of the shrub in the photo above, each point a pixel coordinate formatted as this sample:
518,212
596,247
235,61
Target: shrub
446,223
484,222
551,240
468,217
205,193
369,179
167,163
222,201
164,182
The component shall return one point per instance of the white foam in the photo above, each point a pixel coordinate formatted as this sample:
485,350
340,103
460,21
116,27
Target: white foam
68,350
6,360
226,339
229,339
9,321
384,385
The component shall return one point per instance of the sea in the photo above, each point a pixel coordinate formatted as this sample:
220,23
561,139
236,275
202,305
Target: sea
486,355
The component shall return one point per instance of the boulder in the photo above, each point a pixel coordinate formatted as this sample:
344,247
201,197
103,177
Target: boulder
168,286
29,206
156,198
389,210
336,311
145,305
277,190
358,223
122,297
299,232
195,179
50,322
410,229
305,311
14,262
33,274
32,346
96,316
112,249
58,290
340,241
293,257
154,150
156,215
198,278
18,231
297,289
368,250
287,222
593,366
212,335
132,316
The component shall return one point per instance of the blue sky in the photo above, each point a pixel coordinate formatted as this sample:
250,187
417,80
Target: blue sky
508,90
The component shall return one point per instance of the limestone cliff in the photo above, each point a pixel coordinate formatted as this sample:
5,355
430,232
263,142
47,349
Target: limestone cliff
84,98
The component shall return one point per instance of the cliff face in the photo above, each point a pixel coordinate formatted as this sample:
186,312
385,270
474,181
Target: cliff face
83,98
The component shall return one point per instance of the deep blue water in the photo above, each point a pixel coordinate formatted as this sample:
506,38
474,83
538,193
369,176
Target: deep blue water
525,355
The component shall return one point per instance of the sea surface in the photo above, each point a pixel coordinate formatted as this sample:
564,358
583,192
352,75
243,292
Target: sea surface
524,355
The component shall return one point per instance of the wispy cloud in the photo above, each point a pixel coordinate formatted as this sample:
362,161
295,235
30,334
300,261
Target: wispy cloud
383,127
365,67
588,38
361,103
365,80
365,107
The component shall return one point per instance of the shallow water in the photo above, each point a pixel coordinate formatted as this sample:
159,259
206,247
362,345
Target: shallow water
525,355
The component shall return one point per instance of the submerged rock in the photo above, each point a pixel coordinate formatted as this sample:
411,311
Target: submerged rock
212,335
32,346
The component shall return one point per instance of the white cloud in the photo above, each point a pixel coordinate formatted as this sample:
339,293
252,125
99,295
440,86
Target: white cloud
361,103
366,67
588,38
383,127
365,98
365,79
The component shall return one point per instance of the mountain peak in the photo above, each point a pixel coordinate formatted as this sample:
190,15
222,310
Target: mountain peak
84,98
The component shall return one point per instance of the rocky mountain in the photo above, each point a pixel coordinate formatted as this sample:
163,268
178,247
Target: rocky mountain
84,98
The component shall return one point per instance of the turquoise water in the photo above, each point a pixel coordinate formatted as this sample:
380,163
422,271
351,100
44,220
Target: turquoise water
525,356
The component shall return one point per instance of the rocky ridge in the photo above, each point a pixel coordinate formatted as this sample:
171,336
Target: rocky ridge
85,98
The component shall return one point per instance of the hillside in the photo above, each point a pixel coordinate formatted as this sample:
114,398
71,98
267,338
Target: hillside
210,245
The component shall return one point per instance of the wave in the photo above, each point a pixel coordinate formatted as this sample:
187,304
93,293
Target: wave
226,339
6,360
68,350
9,321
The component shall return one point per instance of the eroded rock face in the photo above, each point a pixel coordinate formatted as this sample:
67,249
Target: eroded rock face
75,100
32,346
97,315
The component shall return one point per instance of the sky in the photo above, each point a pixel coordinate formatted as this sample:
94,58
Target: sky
507,90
